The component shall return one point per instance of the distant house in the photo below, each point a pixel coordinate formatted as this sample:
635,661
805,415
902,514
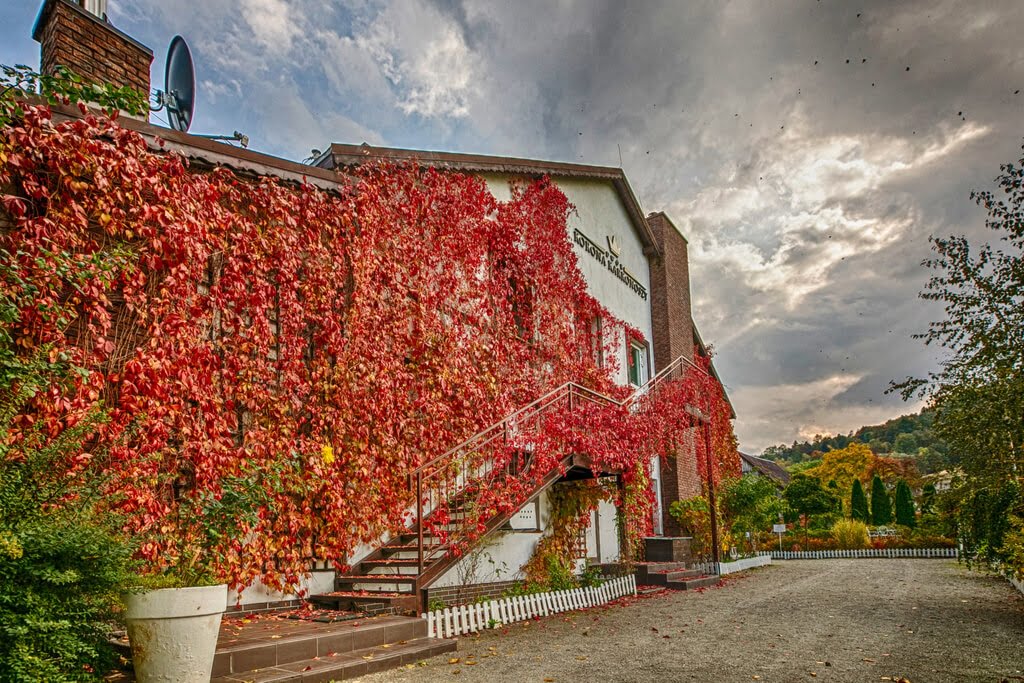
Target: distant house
764,468
943,481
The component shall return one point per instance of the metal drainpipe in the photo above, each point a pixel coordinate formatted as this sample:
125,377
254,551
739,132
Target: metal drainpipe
711,494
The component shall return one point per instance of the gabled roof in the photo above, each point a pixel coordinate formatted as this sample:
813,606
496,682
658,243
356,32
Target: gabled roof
768,468
342,155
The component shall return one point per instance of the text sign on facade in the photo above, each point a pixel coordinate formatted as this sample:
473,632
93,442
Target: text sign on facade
609,261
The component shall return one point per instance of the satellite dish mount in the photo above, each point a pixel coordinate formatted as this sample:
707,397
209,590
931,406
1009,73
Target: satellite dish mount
179,96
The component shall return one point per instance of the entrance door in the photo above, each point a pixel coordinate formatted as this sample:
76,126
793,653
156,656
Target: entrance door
659,527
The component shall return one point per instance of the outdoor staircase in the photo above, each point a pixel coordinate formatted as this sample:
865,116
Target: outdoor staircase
455,502
281,650
674,576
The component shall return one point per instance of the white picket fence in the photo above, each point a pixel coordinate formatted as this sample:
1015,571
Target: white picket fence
866,553
454,621
743,564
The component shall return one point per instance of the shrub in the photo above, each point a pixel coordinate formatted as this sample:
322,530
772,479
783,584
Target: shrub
881,505
905,514
60,568
850,534
859,503
694,517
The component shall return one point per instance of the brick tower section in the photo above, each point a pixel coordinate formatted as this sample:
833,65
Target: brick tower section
673,337
90,47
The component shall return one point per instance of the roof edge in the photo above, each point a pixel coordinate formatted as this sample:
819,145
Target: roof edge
341,155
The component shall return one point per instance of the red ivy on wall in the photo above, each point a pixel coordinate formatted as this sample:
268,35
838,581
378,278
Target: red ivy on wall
320,344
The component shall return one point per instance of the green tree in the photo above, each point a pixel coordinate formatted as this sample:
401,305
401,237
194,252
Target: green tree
833,488
928,499
978,391
905,505
881,504
905,443
807,497
751,504
61,566
859,503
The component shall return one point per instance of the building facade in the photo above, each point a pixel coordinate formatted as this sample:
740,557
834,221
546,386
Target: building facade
635,264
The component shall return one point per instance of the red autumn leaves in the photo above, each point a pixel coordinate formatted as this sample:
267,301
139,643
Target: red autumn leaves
241,328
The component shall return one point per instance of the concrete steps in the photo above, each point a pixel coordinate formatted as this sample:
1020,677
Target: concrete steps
691,584
665,578
370,602
309,652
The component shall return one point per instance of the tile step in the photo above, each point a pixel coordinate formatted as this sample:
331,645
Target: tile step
367,601
375,578
281,643
663,578
342,666
690,584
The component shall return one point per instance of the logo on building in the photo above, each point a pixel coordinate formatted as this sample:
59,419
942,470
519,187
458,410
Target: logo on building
610,260
613,245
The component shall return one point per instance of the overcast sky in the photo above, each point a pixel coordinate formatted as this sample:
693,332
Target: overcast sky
806,149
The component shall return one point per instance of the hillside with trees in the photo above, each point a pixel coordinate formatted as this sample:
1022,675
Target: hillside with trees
908,436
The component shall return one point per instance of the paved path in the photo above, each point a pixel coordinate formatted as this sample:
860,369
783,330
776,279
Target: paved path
820,620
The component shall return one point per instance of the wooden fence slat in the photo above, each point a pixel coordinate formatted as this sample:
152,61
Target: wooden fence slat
503,614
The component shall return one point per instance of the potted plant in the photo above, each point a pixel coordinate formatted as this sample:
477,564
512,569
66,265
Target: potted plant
173,615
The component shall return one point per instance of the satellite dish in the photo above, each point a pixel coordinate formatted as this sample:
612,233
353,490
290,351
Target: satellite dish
180,84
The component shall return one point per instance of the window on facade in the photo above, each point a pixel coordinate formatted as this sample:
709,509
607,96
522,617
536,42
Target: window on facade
597,341
637,363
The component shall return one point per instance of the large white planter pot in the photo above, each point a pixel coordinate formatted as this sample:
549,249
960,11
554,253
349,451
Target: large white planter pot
173,632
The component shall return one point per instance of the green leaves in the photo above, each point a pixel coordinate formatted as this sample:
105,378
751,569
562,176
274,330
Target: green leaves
881,503
806,496
63,87
859,503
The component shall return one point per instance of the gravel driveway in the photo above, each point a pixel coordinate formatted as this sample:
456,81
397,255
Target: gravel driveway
821,620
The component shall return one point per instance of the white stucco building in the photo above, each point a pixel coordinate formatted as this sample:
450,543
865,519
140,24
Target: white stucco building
614,245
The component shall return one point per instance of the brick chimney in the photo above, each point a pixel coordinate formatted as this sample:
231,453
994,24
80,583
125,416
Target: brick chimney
77,35
670,293
672,322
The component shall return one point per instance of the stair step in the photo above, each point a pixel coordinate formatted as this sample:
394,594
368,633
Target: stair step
277,642
412,539
435,550
691,584
651,567
376,578
338,666
369,602
372,564
663,578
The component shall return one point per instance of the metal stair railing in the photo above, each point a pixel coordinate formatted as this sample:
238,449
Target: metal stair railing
458,492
